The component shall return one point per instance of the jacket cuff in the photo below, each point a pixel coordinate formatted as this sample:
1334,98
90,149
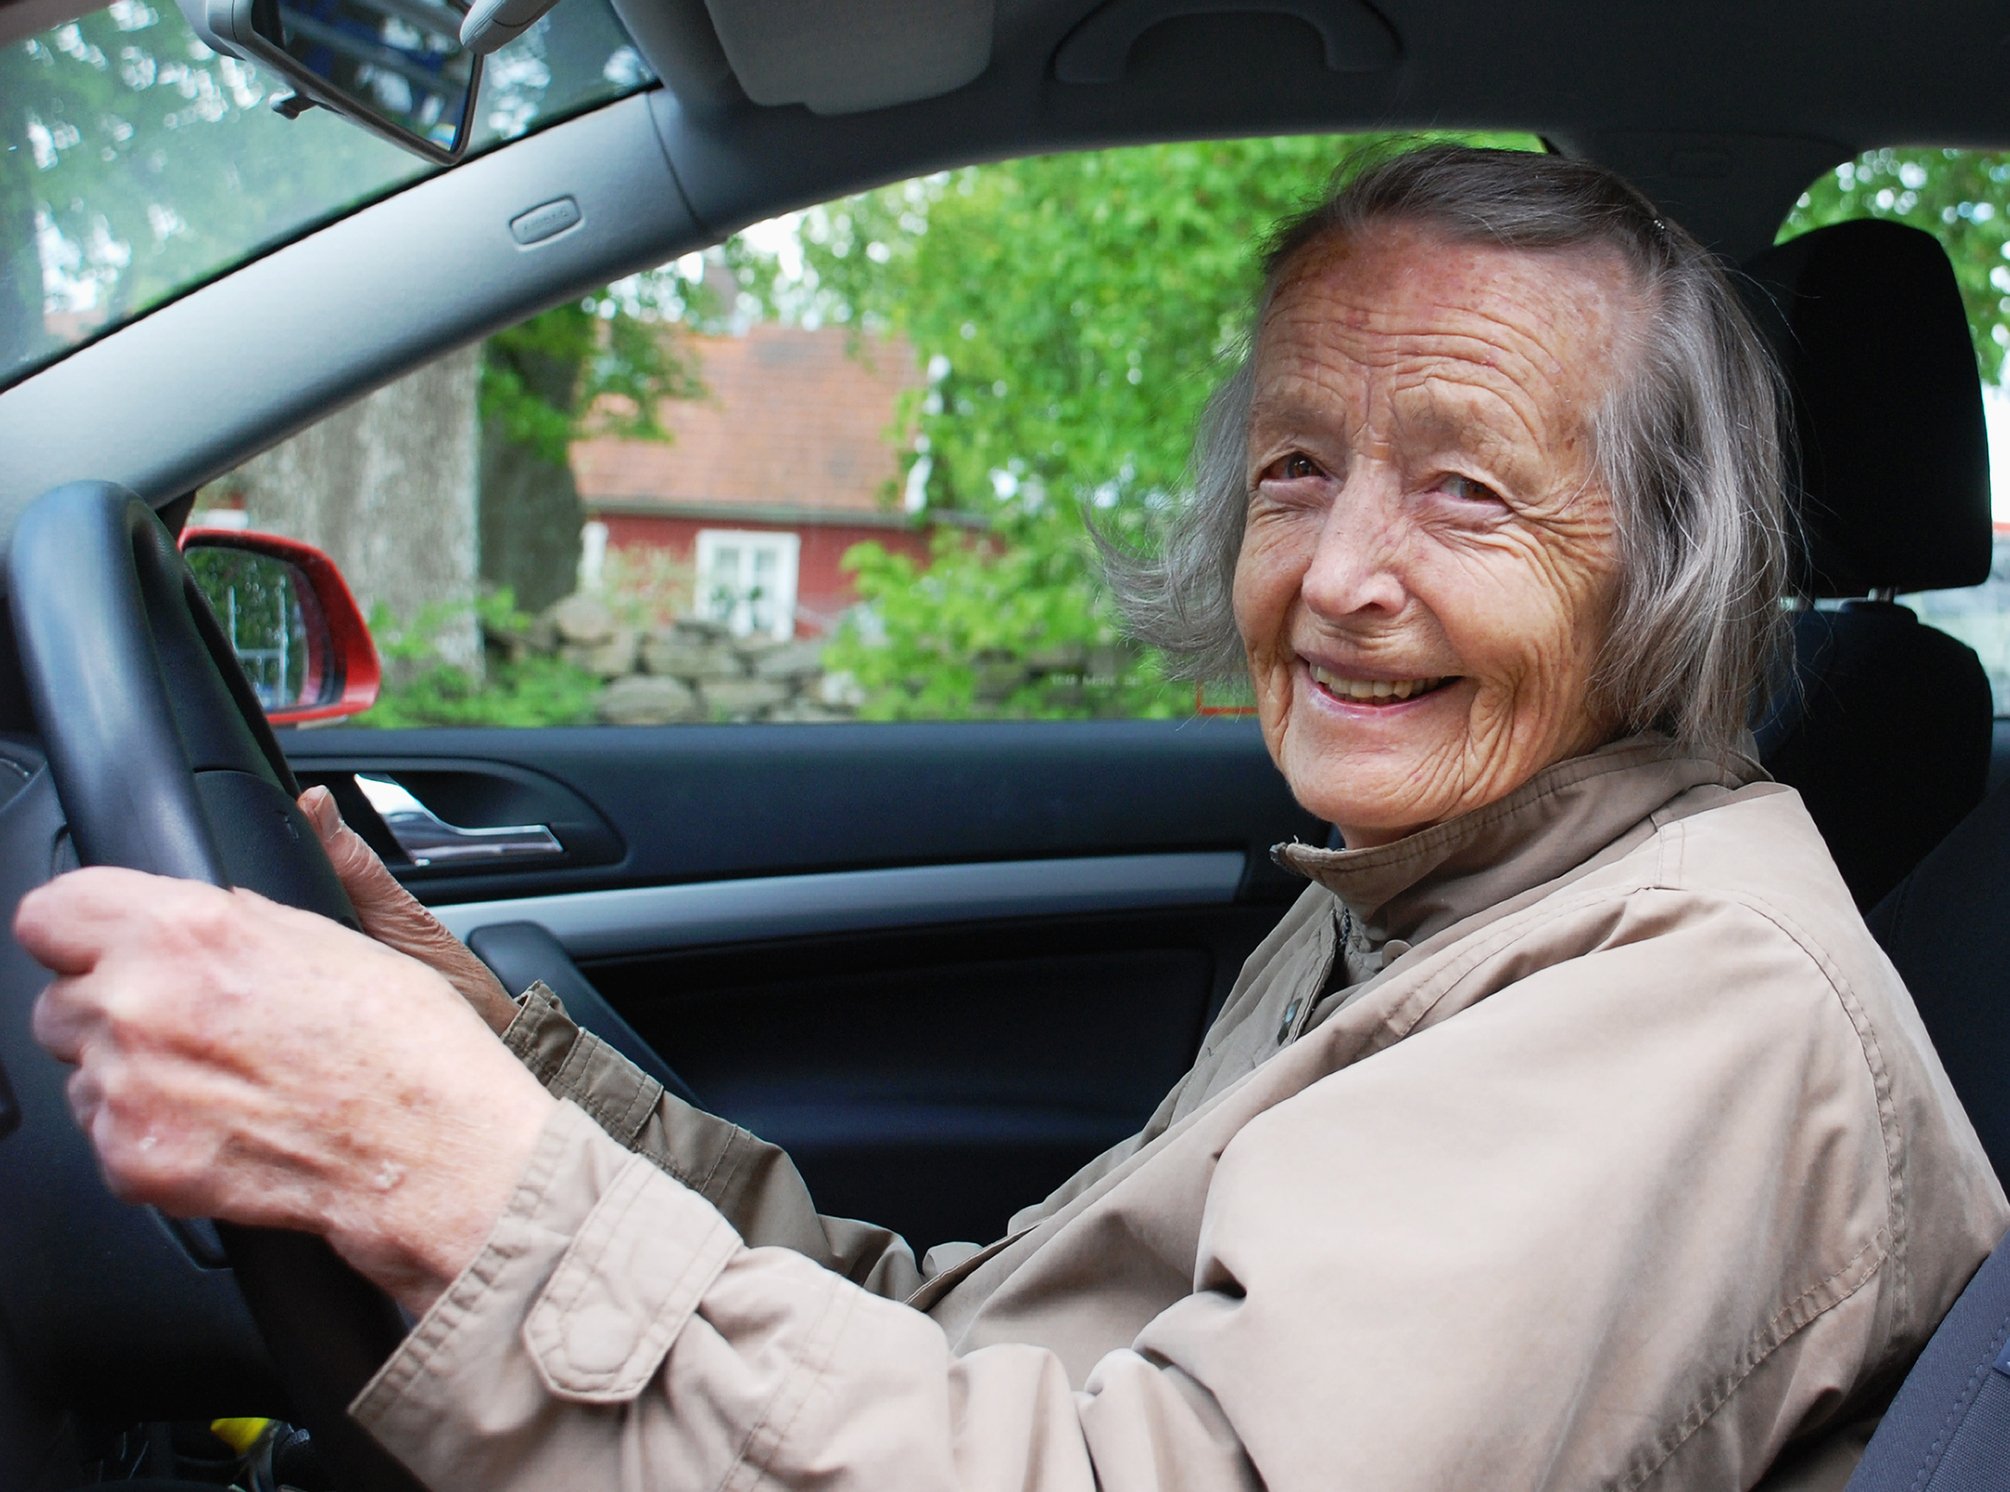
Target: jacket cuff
574,1064
541,1035
556,1305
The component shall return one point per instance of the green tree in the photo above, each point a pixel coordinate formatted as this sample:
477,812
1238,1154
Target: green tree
601,365
142,156
1956,195
517,687
1074,312
135,162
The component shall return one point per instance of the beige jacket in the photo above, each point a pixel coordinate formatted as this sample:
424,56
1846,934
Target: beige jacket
1623,1159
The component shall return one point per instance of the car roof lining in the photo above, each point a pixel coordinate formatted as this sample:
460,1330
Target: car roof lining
1723,113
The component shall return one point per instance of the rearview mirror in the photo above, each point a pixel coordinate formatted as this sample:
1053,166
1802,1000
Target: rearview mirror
289,618
396,67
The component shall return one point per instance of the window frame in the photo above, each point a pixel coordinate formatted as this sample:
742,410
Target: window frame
738,617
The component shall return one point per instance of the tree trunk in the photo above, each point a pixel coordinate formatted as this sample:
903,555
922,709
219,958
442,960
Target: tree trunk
387,487
530,512
530,523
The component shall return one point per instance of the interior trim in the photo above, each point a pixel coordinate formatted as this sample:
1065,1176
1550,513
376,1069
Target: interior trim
633,919
841,59
1356,37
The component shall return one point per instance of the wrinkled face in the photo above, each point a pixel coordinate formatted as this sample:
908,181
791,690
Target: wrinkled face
1429,561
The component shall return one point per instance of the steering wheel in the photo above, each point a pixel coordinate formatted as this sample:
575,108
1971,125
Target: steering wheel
163,762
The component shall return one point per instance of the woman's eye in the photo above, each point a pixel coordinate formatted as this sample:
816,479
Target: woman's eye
1295,467
1468,490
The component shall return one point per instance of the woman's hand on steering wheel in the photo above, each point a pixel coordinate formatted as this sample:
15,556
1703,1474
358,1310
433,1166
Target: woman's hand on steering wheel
243,1060
397,919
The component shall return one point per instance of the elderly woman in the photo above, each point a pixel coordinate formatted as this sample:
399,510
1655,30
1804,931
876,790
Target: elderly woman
1569,1130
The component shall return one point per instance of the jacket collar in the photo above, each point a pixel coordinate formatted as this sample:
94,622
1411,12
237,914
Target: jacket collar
1555,822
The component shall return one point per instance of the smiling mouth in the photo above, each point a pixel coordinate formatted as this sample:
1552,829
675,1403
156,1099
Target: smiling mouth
1373,691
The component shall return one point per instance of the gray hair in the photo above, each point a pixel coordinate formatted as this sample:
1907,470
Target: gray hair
1688,446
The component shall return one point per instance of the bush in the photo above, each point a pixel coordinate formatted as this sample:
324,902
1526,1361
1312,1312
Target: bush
514,686
991,629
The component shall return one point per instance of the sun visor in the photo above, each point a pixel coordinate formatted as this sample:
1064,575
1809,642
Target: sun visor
845,59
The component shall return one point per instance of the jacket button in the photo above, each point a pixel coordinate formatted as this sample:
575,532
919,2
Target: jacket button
1290,1018
599,1338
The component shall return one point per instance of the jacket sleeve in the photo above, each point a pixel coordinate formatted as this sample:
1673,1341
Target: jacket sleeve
752,1183
1544,1243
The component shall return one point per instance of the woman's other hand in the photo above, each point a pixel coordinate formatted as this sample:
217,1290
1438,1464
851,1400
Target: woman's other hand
241,1059
394,917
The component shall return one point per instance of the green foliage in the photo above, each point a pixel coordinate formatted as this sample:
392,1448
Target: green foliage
135,162
137,146
515,688
1076,311
1956,195
596,366
646,587
985,630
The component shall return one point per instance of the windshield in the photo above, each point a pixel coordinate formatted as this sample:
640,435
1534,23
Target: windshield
135,163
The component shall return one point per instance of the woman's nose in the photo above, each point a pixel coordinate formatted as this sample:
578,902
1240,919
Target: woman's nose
1354,567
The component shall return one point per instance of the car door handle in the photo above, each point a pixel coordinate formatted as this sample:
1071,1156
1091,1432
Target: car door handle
427,839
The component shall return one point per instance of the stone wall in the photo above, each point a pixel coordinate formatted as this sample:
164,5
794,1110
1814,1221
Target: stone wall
688,670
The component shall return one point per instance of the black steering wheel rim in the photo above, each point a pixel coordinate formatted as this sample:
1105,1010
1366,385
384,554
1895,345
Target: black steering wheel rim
164,762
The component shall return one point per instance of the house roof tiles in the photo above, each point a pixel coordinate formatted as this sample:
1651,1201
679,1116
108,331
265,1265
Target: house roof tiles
792,419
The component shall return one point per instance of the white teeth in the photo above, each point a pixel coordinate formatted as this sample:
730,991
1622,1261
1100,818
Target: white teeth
1370,690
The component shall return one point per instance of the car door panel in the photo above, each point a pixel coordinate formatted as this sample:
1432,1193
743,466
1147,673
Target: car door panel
698,914
942,965
937,1080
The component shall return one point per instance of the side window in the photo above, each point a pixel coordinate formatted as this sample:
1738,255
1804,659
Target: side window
1962,197
842,467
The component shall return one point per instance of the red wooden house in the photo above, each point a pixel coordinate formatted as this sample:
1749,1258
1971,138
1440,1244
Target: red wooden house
790,459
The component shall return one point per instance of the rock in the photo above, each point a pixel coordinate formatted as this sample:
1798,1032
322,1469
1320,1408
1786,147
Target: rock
582,620
675,653
542,637
702,630
804,713
790,661
997,682
741,699
1108,663
1065,659
840,691
608,659
641,699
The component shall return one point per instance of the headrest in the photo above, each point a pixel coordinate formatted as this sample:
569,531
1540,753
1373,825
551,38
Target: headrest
1893,486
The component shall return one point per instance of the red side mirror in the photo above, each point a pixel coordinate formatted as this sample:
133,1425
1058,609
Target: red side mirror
290,618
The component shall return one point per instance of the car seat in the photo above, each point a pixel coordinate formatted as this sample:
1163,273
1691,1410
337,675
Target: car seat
1947,928
1885,728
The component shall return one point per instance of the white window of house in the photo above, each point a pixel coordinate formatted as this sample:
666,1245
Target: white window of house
592,554
747,579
